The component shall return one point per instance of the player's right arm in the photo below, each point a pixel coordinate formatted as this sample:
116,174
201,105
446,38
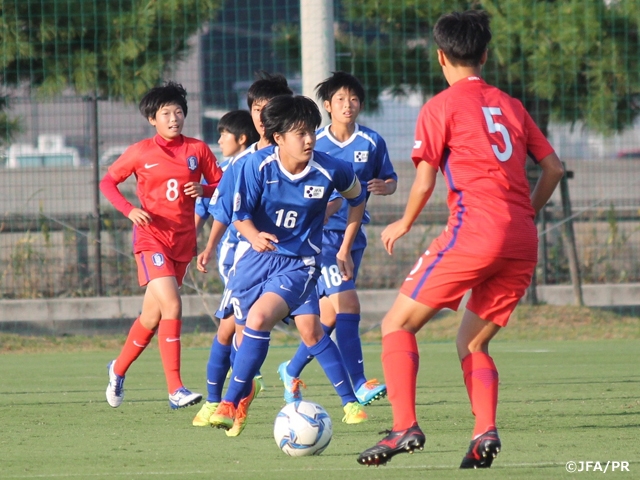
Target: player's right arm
118,172
247,193
421,191
217,230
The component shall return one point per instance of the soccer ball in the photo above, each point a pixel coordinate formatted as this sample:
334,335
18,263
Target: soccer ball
302,428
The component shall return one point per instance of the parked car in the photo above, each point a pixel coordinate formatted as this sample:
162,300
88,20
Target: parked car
111,154
51,151
628,154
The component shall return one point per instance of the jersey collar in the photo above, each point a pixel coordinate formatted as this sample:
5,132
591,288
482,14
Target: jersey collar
332,139
169,143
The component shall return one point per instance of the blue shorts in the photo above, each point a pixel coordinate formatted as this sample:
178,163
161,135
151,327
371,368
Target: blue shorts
254,274
331,281
226,253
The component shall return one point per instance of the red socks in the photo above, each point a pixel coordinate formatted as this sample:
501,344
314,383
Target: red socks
481,380
137,340
169,343
400,361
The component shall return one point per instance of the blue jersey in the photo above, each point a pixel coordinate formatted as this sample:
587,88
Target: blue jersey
202,204
292,207
367,151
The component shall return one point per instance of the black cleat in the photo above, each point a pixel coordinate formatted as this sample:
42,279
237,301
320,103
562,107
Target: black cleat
405,441
482,451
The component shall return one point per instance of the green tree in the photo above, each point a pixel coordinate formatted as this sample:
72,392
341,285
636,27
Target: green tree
118,49
569,60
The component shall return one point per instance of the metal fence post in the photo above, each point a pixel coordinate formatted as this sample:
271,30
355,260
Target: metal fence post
570,238
95,161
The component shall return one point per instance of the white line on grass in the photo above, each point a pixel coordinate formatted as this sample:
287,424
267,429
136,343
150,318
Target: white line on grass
279,471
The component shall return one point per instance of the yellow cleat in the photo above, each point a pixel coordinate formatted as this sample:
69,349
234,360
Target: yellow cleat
354,413
203,417
223,416
240,420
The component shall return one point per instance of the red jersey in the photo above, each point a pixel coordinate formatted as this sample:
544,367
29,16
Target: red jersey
479,137
162,168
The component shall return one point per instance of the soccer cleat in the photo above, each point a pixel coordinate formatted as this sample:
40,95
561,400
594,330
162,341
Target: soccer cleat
370,391
292,385
354,413
404,441
240,420
183,398
260,381
223,416
482,451
115,389
202,418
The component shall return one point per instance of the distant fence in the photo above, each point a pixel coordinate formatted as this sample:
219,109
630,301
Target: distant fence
60,238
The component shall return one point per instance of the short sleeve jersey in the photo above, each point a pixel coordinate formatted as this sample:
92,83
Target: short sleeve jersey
202,204
162,169
291,207
479,137
367,151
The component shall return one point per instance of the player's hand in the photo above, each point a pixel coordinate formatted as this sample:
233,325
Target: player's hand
139,217
203,260
193,189
345,265
264,242
378,187
392,233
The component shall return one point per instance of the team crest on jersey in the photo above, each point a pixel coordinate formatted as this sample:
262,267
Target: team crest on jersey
157,259
311,191
192,163
360,156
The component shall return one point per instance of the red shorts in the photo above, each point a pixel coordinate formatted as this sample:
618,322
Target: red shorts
440,279
156,264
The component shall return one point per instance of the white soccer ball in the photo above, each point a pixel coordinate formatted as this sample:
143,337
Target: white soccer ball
302,428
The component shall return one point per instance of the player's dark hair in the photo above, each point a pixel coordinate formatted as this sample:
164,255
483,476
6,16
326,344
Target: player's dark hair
238,123
287,113
169,94
326,89
463,36
266,87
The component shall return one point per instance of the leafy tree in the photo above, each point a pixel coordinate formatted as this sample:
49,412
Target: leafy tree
570,60
96,47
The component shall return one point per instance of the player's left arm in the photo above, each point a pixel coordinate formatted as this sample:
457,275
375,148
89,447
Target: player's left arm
356,196
211,173
385,180
552,172
552,169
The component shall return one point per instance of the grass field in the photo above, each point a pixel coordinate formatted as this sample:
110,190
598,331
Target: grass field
560,401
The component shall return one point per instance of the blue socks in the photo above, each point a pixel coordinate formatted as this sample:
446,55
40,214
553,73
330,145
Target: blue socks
302,357
348,337
249,359
217,368
330,360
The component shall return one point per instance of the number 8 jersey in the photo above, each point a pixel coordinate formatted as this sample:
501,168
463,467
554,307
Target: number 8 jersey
479,137
162,169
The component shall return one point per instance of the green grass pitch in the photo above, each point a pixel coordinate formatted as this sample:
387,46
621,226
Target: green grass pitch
559,402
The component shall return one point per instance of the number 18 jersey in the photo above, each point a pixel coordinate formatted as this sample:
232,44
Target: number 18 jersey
479,137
